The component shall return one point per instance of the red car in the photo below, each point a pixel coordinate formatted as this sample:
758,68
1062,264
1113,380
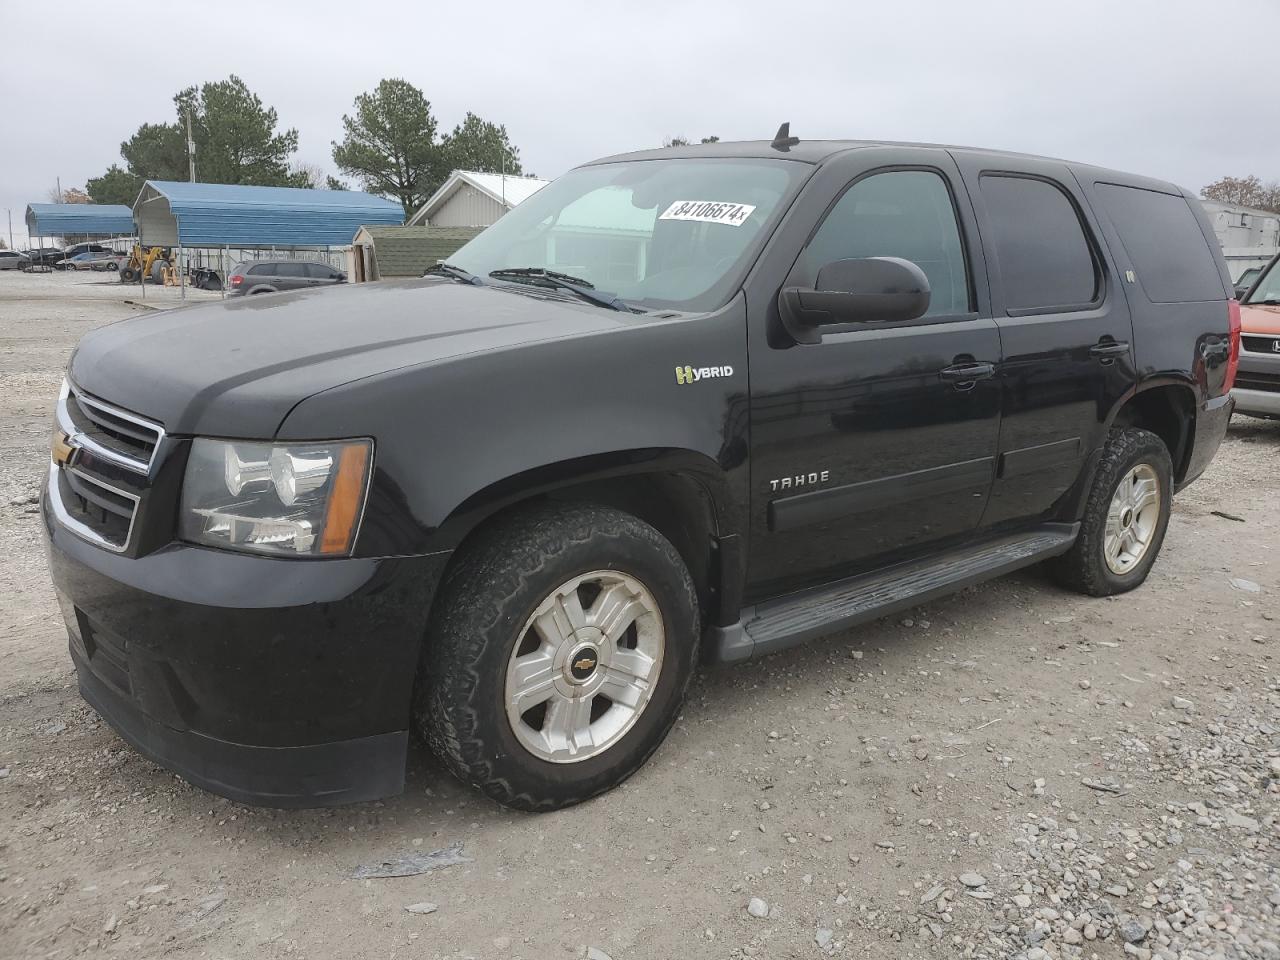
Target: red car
1257,386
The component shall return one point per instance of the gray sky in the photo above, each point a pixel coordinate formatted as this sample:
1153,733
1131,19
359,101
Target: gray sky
1176,89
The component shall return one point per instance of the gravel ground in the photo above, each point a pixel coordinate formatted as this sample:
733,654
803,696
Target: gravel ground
1012,772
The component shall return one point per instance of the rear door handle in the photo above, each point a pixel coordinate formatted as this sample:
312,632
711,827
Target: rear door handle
1109,349
964,375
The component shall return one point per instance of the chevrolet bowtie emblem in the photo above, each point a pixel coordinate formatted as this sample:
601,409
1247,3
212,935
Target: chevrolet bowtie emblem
64,451
586,663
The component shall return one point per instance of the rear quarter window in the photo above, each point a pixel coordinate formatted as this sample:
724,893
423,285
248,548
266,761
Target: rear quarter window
1172,259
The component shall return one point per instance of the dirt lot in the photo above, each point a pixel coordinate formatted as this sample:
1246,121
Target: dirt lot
1014,771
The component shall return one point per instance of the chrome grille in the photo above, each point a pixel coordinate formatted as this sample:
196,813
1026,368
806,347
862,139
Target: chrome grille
109,432
91,508
1261,344
97,491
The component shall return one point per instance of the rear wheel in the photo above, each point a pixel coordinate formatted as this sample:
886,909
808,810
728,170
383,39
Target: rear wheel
1125,518
128,275
558,654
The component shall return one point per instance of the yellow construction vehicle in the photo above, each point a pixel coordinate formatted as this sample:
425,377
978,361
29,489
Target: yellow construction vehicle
149,262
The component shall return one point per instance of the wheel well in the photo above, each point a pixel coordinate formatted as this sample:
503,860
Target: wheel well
1169,413
676,505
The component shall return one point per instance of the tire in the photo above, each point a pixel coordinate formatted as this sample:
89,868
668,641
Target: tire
157,271
128,274
482,618
1133,457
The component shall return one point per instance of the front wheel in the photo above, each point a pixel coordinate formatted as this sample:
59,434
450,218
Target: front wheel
558,654
1125,518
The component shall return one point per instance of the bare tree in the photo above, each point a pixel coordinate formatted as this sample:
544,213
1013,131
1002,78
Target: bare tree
685,141
69,195
1245,191
310,174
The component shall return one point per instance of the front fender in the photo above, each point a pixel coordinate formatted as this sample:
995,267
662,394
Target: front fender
459,438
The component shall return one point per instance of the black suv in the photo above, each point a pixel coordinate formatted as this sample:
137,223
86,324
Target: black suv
705,401
268,276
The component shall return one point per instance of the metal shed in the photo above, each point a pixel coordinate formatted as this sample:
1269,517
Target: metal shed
79,220
380,252
175,214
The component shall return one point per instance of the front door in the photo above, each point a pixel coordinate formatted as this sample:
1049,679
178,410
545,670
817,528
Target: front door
1064,326
879,442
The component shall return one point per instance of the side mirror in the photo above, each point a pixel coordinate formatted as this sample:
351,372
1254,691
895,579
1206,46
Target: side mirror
1241,291
873,290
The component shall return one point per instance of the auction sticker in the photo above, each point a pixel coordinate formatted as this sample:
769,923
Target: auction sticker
709,211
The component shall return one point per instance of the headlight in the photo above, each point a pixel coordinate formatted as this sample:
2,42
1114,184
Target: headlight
295,499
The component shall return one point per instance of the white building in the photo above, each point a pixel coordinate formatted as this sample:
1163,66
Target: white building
470,199
1249,237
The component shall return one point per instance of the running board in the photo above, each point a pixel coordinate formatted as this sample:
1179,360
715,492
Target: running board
793,619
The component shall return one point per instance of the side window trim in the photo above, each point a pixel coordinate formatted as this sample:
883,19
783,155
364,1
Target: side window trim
965,254
1100,274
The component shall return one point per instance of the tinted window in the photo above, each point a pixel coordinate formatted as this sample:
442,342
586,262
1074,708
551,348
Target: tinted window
1163,239
319,271
904,213
258,270
1268,289
1043,256
289,270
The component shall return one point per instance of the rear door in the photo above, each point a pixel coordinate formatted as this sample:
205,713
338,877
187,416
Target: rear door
1064,326
291,276
874,444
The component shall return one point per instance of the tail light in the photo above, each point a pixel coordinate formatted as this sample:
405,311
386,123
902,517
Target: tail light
1233,357
236,280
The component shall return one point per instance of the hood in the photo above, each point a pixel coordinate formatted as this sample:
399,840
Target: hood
1260,318
235,368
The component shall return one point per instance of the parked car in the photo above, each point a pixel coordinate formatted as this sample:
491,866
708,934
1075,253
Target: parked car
86,247
13,260
1257,388
509,506
1245,281
93,260
268,276
43,257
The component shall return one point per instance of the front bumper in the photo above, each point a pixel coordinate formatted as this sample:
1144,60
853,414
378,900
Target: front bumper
1257,388
273,681
1264,403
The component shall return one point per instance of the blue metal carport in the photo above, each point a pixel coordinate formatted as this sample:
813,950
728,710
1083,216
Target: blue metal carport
175,214
79,220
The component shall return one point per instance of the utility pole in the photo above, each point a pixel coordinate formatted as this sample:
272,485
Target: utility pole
191,148
59,179
10,213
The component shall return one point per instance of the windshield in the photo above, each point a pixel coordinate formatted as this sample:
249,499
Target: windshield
1268,288
656,233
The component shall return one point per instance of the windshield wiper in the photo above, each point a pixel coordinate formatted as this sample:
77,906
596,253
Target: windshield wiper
541,277
457,273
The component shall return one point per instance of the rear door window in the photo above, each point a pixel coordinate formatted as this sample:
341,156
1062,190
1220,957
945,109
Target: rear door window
1043,255
290,270
1173,262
